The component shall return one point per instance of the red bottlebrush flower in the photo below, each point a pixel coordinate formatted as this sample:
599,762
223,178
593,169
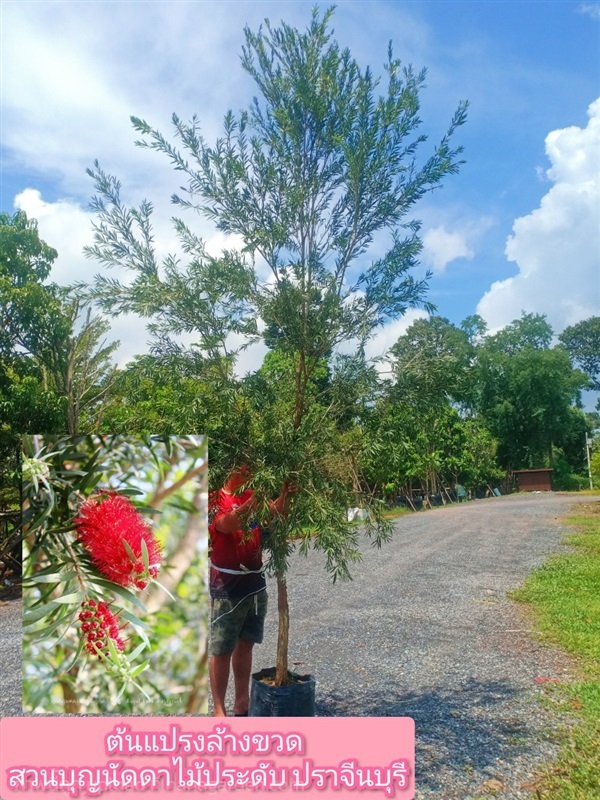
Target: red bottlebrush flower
112,531
104,626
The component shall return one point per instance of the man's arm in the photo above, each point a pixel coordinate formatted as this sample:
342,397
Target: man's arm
233,520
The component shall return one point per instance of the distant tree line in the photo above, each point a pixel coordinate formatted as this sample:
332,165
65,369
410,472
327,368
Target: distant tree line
456,406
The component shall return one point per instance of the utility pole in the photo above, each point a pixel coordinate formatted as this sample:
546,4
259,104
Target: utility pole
588,445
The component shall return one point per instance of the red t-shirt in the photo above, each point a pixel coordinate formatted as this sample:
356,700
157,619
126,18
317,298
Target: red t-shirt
243,548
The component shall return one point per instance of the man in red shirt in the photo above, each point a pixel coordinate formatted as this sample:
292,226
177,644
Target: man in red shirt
237,586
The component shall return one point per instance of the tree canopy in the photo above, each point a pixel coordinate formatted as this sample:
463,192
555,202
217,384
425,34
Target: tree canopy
582,342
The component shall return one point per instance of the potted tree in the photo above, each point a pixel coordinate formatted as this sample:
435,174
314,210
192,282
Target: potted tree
315,180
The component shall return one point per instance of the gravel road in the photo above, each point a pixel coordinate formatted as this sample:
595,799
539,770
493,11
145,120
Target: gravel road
426,630
10,658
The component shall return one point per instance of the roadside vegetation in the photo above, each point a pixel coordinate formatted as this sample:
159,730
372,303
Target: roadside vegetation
565,596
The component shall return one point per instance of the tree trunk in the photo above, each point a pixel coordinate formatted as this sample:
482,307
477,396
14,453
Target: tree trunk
283,630
283,608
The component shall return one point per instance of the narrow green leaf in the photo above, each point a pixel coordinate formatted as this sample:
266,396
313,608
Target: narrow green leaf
139,669
53,569
47,631
145,555
129,551
164,588
147,510
99,652
31,617
135,653
75,658
71,598
137,623
113,649
53,577
147,696
131,492
90,483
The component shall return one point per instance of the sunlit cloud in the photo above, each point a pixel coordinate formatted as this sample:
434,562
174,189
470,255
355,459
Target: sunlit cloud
557,246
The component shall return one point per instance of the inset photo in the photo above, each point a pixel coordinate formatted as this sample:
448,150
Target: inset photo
115,601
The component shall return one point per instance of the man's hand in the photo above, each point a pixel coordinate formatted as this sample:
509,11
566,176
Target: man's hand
289,488
281,506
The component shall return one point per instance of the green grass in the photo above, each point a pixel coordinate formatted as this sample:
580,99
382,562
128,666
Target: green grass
565,597
396,511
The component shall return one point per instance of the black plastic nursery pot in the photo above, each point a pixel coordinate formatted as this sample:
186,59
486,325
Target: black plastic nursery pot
297,699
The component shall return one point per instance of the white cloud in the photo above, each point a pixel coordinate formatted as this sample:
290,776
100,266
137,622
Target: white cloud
73,73
65,226
591,9
557,246
441,246
452,240
250,359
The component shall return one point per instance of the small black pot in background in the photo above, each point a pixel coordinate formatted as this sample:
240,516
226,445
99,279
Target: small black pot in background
295,700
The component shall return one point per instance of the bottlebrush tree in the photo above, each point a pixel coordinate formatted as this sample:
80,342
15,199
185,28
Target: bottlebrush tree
317,179
104,520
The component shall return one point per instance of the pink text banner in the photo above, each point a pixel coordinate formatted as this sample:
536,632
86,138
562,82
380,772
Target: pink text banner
174,758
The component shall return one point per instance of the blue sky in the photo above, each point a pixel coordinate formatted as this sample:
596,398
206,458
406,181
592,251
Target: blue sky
517,229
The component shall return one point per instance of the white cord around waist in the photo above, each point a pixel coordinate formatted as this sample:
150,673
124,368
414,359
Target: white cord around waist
241,571
256,593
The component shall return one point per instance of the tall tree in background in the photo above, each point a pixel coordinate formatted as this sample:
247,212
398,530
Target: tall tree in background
25,264
76,362
582,342
526,391
10,506
316,168
432,363
27,304
424,414
529,332
54,365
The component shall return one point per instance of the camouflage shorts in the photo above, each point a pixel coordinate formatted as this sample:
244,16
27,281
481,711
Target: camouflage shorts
234,619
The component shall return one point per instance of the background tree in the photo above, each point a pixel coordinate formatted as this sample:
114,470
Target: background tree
475,327
526,391
155,394
76,361
27,302
25,402
432,363
307,176
54,366
529,332
422,413
25,263
582,342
